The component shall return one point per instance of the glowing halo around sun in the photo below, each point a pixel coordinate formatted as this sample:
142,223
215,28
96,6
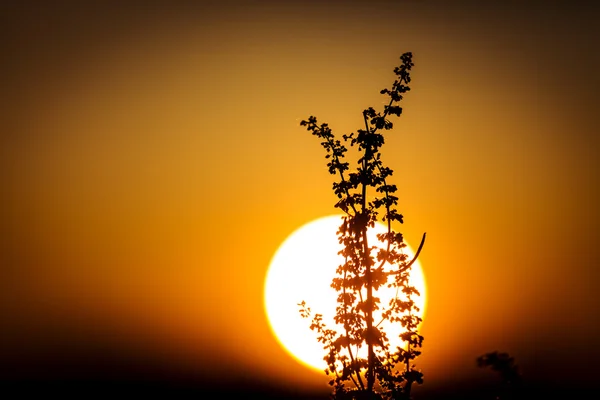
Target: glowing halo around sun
302,269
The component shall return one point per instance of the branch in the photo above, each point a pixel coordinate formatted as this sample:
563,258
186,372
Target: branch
387,195
342,178
346,328
407,266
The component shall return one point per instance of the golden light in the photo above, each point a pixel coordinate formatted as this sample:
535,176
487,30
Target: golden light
302,269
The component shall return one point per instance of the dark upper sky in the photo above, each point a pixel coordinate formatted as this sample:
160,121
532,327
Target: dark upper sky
152,163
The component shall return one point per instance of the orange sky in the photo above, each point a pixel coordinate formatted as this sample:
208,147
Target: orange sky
153,161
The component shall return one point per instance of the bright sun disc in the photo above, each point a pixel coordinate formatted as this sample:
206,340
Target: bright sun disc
302,269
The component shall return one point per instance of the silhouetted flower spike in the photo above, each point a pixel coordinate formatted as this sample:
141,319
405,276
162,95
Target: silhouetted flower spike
385,373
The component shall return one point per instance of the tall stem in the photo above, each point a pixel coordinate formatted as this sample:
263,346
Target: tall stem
367,263
371,355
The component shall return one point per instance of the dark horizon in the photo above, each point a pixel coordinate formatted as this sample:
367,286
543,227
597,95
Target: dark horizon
102,371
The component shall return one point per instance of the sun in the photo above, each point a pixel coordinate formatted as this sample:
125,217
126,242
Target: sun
302,269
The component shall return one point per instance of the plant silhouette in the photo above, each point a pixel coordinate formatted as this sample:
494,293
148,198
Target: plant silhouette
385,373
507,369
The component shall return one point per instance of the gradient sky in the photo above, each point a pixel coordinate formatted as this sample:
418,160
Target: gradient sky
152,163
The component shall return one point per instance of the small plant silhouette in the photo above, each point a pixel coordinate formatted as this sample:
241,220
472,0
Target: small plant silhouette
508,370
385,373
